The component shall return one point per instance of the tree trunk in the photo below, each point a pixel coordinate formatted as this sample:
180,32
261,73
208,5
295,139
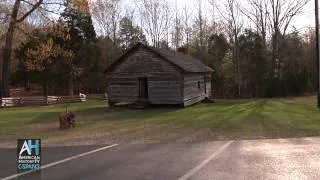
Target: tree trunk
45,89
238,66
8,50
71,87
234,89
187,43
275,54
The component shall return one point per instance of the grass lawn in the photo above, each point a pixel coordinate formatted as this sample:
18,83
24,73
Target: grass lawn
225,119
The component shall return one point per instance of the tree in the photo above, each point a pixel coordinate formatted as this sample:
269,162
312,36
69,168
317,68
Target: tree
163,44
106,17
4,18
253,64
107,57
200,23
227,69
91,79
105,13
177,35
218,48
129,34
280,15
154,14
235,26
167,16
177,31
78,19
187,29
295,67
81,31
257,12
310,59
41,55
15,19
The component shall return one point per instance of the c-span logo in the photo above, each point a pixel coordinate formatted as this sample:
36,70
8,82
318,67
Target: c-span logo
28,154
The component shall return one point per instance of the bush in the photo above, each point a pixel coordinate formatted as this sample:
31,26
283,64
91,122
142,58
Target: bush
67,120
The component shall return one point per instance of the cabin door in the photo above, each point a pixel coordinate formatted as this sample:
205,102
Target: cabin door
143,88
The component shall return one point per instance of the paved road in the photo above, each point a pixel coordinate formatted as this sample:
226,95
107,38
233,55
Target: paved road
251,159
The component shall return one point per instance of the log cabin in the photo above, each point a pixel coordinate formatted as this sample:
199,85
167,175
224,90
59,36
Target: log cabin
157,76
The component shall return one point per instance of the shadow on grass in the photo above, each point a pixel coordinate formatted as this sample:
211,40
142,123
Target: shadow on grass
226,120
96,114
49,116
255,122
281,124
46,117
297,103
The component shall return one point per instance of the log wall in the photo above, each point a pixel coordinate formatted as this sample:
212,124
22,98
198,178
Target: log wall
164,79
196,86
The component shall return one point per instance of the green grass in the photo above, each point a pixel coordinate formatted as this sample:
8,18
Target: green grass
225,119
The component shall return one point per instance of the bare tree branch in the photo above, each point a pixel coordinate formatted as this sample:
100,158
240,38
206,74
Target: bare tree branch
34,7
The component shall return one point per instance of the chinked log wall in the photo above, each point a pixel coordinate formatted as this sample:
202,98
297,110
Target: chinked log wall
162,89
164,79
192,92
165,90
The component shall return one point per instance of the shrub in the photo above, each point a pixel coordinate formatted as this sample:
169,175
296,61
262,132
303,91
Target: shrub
67,120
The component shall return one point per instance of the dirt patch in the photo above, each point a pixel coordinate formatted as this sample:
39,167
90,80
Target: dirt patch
48,127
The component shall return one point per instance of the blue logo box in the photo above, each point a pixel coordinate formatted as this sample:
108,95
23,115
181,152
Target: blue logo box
28,154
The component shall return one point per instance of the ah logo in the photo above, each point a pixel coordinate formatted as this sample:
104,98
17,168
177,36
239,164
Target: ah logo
28,154
28,146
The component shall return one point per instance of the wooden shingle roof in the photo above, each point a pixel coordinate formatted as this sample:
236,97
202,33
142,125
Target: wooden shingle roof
183,61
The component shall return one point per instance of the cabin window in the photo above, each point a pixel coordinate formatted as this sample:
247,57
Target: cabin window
199,85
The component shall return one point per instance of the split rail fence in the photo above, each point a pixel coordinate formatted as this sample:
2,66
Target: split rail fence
48,100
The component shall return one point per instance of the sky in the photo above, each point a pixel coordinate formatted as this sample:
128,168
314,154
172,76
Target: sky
301,22
306,19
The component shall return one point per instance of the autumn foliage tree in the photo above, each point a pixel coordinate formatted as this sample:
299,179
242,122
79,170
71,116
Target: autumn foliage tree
20,11
42,56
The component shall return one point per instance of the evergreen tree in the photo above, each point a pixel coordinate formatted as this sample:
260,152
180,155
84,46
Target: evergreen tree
217,49
81,33
78,19
130,34
253,64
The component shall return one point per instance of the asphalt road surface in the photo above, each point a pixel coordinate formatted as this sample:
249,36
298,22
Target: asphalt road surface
247,159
